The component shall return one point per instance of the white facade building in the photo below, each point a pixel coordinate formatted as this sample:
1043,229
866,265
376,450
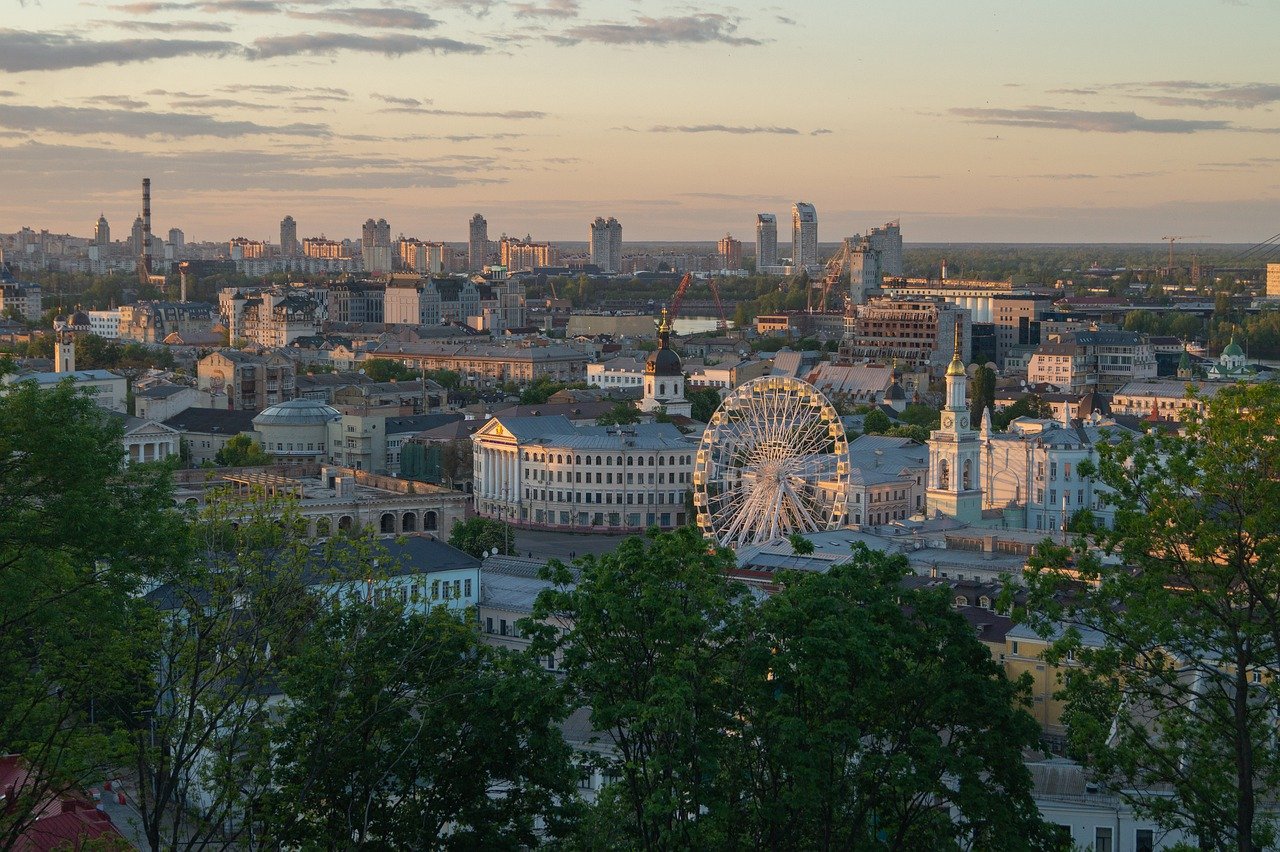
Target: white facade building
544,472
605,242
804,235
105,324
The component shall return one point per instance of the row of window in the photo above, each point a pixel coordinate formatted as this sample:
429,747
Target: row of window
654,461
609,497
564,476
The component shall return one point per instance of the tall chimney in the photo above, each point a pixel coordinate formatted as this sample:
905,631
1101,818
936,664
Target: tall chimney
144,262
944,269
182,277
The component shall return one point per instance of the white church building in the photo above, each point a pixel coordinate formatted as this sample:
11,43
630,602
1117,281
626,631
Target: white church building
1025,478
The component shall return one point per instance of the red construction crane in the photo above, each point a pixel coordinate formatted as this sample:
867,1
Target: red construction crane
722,323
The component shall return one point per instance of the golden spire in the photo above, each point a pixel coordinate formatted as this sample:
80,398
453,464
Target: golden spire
956,368
663,326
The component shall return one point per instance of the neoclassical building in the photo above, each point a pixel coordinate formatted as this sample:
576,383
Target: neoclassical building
664,376
544,472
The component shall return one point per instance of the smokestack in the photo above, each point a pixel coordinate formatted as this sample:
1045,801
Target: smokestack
144,262
182,277
944,269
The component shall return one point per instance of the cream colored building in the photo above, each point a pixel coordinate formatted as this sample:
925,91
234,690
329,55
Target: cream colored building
544,472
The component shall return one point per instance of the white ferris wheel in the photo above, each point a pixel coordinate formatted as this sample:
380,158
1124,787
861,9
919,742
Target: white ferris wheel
773,461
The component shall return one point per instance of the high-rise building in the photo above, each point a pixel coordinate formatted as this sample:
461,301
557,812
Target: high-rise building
730,252
375,246
1273,280
766,240
288,237
177,239
866,269
477,243
102,232
804,234
137,238
605,238
887,240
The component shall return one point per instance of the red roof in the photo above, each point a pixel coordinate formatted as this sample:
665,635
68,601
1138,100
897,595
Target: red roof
63,821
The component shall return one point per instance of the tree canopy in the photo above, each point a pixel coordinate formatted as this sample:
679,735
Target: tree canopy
1172,621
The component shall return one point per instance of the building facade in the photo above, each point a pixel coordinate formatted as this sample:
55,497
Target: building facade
477,243
804,235
1098,360
766,240
730,251
954,486
887,241
288,237
152,322
918,333
604,239
525,255
243,381
478,363
544,472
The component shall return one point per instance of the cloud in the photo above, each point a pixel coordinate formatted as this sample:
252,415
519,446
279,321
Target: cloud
8,93
121,101
84,121
328,93
96,168
1085,121
700,28
244,7
35,51
821,131
784,20
325,43
169,26
1212,95
513,114
1073,91
373,17
722,128
548,9
402,102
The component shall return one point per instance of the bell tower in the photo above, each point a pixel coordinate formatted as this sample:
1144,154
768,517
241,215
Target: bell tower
954,487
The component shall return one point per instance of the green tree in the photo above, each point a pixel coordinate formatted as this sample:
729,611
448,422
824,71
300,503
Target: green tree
983,392
385,370
79,532
876,422
703,402
1174,690
1030,405
869,713
403,731
919,414
653,642
217,627
479,536
622,414
242,451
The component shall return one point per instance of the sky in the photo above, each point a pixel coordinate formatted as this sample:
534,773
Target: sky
975,121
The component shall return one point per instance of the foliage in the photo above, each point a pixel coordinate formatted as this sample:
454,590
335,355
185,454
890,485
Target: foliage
216,628
479,536
982,393
386,370
1030,405
869,713
876,422
541,389
242,451
703,402
1177,685
98,353
404,732
653,642
622,414
78,532
915,433
920,414
843,712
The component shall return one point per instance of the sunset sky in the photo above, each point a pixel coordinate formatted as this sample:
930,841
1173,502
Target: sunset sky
971,121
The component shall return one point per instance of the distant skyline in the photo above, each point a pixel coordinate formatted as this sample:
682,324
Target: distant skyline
971,122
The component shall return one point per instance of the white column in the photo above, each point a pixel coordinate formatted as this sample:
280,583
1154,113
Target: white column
510,470
488,473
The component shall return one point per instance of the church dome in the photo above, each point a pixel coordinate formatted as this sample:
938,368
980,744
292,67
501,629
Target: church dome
663,362
1233,349
296,412
895,392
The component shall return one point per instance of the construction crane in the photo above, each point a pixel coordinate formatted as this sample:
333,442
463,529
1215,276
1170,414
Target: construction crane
1171,241
835,268
722,322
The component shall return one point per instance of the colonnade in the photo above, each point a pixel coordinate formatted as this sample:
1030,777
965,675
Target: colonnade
499,474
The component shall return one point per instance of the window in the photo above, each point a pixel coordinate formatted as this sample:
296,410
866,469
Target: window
1144,840
467,588
1102,839
435,590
